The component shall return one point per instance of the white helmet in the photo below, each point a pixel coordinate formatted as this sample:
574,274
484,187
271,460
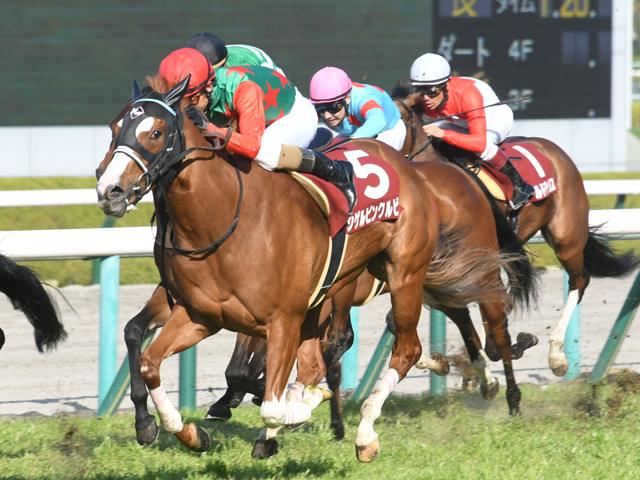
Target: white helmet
430,69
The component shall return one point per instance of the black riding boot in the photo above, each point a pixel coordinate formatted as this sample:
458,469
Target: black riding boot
522,191
340,173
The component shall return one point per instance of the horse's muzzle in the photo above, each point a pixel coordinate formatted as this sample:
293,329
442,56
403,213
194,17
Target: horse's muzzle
113,201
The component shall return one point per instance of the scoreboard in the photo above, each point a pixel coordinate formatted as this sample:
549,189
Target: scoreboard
558,52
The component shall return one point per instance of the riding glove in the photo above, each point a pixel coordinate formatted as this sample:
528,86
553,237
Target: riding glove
197,117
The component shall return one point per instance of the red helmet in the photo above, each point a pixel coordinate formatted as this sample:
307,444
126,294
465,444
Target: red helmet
180,63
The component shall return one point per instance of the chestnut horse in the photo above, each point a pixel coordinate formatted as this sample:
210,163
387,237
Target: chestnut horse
461,204
255,277
26,293
563,219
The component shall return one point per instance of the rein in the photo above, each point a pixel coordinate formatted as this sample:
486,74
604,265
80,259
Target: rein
414,133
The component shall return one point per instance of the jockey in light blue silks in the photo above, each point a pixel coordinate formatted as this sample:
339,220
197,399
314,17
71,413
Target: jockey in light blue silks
356,110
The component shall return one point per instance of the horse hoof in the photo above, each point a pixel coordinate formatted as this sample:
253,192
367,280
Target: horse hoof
559,367
218,413
257,401
490,391
148,434
264,449
527,338
368,453
203,441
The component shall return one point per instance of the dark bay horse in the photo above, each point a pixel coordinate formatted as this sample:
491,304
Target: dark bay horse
563,219
259,280
26,293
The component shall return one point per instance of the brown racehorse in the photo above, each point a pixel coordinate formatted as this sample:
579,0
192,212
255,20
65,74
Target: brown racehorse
249,355
563,219
259,279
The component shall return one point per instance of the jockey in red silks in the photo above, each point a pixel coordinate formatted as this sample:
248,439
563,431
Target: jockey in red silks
356,110
275,122
479,131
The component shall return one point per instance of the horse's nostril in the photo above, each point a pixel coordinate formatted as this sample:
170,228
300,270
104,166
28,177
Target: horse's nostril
114,192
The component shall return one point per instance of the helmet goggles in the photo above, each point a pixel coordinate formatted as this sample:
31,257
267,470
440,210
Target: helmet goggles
430,91
332,108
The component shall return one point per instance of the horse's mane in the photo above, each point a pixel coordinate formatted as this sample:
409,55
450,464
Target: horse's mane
403,92
161,85
402,89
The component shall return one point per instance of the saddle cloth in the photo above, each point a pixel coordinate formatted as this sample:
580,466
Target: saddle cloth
377,185
378,188
533,166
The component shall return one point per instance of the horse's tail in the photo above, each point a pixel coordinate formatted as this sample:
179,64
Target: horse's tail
523,278
459,274
600,260
28,295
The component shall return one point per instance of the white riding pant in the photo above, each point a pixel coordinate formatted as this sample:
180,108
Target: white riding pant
297,128
394,136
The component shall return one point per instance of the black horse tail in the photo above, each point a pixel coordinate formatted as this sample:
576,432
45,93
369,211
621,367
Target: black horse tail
600,260
28,295
523,278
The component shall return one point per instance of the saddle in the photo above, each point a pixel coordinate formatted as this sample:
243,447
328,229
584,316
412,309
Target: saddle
533,166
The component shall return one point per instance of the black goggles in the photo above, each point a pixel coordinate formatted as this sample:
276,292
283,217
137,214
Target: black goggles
430,91
332,108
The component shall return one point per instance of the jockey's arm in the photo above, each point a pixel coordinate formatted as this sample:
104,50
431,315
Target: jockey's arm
476,139
374,123
249,103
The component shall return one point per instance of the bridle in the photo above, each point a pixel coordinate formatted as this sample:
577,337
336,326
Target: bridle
164,165
414,132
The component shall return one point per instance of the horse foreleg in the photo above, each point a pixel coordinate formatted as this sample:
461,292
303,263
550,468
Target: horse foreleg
406,299
283,339
245,366
154,314
334,378
179,333
493,313
340,336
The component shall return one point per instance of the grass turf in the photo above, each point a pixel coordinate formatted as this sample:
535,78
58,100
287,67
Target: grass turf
568,430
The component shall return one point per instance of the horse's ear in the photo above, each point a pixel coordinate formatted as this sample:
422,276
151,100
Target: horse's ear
136,91
173,96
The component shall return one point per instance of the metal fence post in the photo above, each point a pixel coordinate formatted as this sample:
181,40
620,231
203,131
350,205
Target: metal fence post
188,379
350,358
572,338
378,360
95,274
438,336
618,333
109,283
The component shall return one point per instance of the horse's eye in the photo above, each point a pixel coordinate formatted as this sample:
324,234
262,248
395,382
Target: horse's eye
156,135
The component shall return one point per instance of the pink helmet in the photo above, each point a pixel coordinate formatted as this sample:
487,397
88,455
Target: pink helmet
328,85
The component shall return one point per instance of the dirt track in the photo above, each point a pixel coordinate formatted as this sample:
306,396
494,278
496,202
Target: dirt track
67,379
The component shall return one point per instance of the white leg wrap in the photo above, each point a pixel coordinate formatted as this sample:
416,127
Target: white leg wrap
295,393
169,416
273,413
372,407
481,366
557,358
